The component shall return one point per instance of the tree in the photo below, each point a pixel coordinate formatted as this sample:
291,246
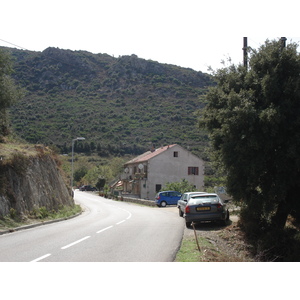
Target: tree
8,91
182,187
253,117
80,173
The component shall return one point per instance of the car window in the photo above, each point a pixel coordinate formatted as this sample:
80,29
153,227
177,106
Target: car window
210,198
175,194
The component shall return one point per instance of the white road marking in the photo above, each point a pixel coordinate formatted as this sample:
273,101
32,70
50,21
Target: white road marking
120,222
72,244
129,213
81,240
40,258
104,229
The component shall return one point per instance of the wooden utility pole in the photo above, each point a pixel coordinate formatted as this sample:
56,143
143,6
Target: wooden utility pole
283,40
245,48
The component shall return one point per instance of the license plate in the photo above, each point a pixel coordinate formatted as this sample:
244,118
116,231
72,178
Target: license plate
203,208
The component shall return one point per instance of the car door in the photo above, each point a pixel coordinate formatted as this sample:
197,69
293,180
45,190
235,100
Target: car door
173,198
182,202
164,197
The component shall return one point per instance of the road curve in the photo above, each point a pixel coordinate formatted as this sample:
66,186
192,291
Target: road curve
107,231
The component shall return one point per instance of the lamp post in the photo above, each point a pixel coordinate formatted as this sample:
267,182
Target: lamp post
73,141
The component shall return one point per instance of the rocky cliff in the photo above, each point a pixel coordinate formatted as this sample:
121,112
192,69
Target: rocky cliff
31,182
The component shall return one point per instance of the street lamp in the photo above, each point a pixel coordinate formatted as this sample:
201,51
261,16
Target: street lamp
73,141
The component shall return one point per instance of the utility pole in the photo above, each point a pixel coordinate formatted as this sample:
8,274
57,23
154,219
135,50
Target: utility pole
283,40
245,48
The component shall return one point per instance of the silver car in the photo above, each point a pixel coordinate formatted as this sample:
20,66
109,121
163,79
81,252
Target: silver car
181,203
205,207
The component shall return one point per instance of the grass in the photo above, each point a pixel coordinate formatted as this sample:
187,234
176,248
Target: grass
37,216
11,146
189,250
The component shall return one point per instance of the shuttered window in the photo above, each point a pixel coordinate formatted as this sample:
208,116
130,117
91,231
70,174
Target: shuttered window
193,170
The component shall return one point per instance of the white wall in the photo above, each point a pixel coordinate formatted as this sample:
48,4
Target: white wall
165,168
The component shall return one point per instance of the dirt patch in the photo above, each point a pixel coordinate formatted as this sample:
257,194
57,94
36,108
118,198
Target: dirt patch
226,243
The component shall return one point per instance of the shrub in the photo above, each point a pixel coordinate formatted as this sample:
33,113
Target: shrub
12,213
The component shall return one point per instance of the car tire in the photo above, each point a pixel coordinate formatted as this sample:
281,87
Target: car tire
163,204
227,217
180,212
224,222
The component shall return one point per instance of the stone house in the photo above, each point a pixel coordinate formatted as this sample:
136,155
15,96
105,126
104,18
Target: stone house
146,174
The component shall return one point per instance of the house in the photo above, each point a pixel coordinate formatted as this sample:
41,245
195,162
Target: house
145,175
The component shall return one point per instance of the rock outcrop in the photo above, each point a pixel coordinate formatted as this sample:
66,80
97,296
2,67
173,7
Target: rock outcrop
30,183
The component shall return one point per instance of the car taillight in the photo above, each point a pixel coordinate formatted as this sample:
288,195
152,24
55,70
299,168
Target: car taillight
187,209
219,206
158,197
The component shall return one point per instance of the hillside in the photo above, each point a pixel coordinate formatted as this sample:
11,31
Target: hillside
120,105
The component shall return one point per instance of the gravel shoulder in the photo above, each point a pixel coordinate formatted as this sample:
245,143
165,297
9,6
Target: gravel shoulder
223,243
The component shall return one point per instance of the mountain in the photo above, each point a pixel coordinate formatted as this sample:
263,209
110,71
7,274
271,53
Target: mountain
120,105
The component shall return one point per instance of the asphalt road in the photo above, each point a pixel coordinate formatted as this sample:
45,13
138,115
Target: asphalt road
107,231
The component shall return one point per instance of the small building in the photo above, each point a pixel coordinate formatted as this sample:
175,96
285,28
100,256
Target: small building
146,174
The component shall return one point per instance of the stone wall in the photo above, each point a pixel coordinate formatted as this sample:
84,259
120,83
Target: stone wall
136,200
35,183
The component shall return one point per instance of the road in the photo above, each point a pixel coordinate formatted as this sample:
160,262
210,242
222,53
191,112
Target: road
107,231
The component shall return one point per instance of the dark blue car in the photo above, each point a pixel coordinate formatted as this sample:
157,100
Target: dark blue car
162,199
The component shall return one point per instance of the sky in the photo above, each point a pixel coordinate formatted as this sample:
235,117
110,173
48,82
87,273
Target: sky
195,34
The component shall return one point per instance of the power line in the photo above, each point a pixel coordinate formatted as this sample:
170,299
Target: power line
52,58
14,45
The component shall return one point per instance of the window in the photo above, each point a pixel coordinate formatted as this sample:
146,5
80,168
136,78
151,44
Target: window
193,171
175,154
175,194
157,187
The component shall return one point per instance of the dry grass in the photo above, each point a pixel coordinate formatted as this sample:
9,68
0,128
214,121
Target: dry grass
217,244
9,148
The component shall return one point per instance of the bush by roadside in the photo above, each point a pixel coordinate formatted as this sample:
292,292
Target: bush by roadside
40,215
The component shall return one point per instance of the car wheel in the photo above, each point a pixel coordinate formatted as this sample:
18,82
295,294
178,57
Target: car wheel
224,222
180,212
163,204
227,217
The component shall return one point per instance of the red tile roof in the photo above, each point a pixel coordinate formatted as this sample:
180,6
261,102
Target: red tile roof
149,154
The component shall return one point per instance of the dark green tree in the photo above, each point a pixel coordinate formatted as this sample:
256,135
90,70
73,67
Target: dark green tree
8,91
253,117
80,173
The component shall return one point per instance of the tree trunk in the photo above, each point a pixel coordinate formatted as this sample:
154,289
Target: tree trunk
284,209
281,215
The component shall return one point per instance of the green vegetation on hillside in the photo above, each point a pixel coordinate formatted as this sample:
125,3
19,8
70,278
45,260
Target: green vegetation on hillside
120,105
9,92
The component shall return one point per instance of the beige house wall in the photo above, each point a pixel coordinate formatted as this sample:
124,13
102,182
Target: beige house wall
170,167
